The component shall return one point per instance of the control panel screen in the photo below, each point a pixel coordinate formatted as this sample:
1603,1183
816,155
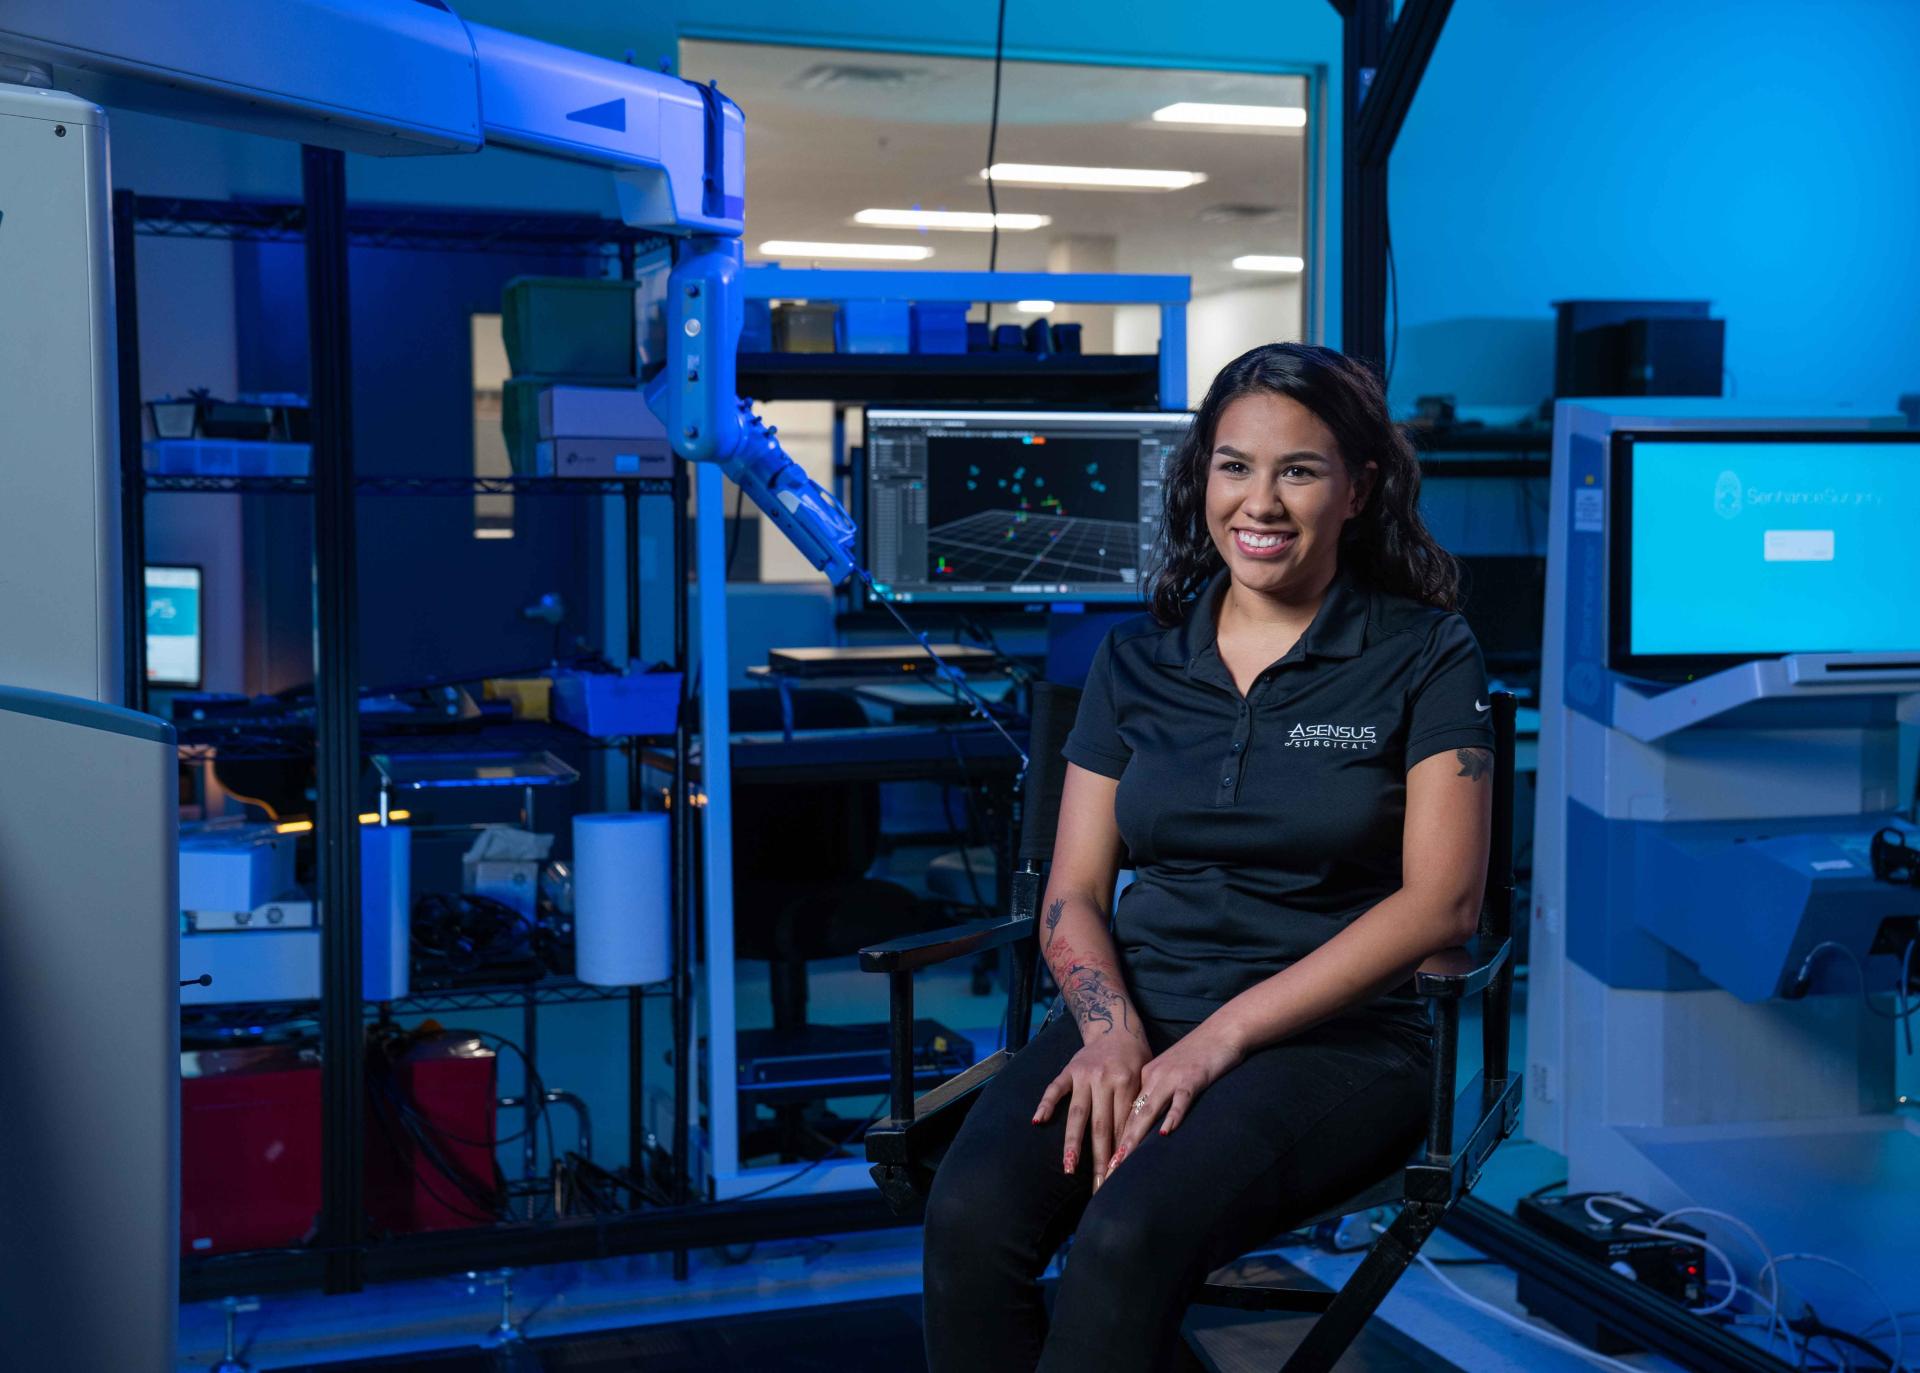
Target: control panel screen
1756,545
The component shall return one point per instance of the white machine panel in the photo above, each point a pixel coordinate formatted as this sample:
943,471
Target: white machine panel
386,77
60,612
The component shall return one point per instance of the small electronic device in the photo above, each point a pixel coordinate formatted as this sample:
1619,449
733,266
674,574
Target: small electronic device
293,911
1013,505
175,645
818,1061
1731,546
877,660
1673,1268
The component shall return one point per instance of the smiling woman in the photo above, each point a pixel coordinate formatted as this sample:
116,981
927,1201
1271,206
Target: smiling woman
1291,466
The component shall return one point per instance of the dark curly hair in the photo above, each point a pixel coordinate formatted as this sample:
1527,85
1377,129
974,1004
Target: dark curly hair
1386,545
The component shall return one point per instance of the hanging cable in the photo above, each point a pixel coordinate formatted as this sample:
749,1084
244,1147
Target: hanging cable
993,143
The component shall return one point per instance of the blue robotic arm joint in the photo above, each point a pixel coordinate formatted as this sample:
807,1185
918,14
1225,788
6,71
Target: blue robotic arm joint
695,396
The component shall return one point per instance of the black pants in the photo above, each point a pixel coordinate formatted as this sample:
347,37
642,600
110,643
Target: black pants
1291,1131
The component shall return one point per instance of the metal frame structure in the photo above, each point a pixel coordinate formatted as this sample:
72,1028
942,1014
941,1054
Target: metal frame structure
342,1259
1382,59
1170,294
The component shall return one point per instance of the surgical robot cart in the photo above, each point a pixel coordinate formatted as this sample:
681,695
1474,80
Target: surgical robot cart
1731,672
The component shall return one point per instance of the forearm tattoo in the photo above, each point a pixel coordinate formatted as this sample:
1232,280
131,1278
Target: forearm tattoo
1055,909
1094,999
1475,763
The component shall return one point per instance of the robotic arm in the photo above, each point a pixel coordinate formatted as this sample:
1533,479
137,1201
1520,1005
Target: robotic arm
397,79
694,395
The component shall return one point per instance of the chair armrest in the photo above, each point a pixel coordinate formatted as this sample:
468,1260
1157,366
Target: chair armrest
939,946
1461,972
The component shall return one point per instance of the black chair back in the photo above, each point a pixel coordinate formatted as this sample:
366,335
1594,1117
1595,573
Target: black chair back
1054,708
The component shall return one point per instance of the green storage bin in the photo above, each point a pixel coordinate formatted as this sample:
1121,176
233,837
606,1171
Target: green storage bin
570,326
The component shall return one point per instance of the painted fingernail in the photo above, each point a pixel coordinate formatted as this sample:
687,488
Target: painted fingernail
1163,1129
1071,1160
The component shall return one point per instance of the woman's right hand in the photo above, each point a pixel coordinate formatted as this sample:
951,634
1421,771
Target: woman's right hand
1099,1083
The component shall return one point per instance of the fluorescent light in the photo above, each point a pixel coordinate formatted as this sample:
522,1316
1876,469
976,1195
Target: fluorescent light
872,252
977,221
1254,262
1105,178
1236,116
1034,307
489,532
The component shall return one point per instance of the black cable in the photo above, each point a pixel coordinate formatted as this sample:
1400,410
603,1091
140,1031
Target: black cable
1393,292
733,543
1539,1192
853,1136
963,840
993,142
1813,1328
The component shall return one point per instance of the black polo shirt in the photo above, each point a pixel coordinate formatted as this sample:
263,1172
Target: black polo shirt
1260,827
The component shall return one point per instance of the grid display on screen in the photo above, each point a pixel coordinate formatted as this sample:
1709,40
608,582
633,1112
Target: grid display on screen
1014,505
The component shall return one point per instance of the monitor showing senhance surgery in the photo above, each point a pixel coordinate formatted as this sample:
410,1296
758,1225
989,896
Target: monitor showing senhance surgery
1751,545
1014,505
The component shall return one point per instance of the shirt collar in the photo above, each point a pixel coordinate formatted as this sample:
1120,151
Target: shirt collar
1339,628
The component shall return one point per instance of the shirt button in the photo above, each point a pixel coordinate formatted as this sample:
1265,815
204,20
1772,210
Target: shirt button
1236,745
1226,781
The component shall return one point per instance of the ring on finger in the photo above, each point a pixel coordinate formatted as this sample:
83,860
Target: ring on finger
1140,1103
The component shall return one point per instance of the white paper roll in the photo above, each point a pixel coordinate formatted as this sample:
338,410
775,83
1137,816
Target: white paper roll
622,899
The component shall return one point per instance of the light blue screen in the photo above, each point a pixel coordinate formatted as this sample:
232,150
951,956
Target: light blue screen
1787,547
173,624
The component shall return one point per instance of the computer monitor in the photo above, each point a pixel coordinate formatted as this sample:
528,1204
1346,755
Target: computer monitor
1731,546
1014,505
174,640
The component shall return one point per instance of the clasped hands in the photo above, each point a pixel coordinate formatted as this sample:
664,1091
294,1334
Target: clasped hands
1117,1091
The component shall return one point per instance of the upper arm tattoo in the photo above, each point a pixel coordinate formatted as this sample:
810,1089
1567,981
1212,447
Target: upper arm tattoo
1475,763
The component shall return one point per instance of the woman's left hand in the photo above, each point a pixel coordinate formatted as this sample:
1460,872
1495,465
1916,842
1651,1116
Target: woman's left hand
1170,1083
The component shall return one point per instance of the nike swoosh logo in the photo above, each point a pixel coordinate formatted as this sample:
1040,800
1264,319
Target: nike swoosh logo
1481,706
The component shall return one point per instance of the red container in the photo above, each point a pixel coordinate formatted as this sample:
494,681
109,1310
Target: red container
448,1081
249,1148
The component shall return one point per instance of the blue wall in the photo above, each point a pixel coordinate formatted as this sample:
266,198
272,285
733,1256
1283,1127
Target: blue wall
1759,154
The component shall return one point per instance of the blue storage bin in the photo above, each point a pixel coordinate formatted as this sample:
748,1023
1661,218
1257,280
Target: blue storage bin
612,704
873,326
979,337
940,326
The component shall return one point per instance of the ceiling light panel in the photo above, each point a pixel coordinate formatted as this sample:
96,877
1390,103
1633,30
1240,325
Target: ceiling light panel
867,252
1256,262
1092,178
974,221
1232,116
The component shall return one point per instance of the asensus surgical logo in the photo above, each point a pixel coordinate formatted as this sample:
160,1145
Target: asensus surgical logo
1333,736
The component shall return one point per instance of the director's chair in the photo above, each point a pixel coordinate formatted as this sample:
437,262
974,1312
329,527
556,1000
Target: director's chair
1464,1125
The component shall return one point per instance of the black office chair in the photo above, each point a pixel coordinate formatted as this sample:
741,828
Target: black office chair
801,893
1464,1126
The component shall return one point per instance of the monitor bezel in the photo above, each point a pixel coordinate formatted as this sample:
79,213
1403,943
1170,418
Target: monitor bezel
860,475
199,640
1687,667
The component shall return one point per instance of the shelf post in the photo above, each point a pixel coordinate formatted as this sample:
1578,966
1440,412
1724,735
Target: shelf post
337,723
133,477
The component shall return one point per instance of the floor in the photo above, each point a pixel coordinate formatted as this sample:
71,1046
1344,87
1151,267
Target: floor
851,1273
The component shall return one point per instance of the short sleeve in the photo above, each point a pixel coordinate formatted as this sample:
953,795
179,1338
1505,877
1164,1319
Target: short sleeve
1094,742
1448,706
